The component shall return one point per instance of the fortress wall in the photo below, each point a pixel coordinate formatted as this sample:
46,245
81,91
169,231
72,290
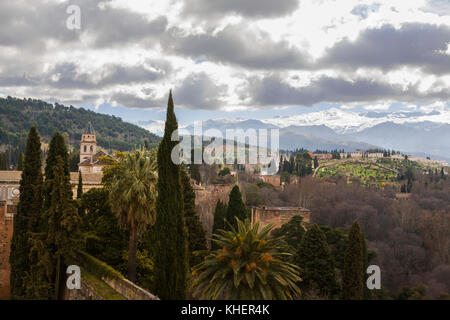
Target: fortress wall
278,215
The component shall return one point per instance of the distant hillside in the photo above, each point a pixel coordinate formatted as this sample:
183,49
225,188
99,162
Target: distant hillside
18,115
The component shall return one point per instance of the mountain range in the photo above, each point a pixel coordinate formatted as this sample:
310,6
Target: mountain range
420,133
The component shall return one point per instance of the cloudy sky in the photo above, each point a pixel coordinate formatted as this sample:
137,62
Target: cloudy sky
228,58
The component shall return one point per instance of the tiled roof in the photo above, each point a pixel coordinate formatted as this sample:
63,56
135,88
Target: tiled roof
88,178
96,159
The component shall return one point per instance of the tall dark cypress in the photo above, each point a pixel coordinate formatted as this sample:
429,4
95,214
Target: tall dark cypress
57,148
196,232
219,220
28,212
54,247
80,194
236,208
317,265
171,248
63,225
352,282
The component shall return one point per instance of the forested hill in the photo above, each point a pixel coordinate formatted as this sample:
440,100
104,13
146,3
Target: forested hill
18,115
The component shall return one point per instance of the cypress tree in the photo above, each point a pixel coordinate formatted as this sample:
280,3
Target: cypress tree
80,194
219,220
20,163
63,224
352,282
196,232
57,148
365,255
29,210
236,208
80,186
219,216
54,246
171,249
316,262
3,162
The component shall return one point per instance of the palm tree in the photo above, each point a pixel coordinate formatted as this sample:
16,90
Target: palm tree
249,266
132,194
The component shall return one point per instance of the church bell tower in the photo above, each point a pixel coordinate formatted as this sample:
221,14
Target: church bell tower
88,146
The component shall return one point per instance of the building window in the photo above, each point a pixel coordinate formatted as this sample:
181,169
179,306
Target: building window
92,149
85,148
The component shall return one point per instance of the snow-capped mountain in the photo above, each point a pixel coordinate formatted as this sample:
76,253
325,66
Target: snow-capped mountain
413,132
344,121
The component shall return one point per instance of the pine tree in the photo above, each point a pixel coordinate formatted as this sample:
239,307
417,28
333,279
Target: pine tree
196,232
171,249
28,212
236,208
219,220
352,282
317,265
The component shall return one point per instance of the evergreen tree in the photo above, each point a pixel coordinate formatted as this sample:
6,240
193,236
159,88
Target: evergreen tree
365,276
236,208
196,232
80,194
317,265
352,282
54,246
3,162
63,236
171,249
219,220
20,162
57,148
29,210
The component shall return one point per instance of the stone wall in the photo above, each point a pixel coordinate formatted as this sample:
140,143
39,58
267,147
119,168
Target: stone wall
205,201
86,292
129,290
6,231
272,179
278,215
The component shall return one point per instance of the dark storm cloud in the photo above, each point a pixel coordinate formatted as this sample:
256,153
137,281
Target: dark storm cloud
130,100
199,92
273,91
236,45
29,24
417,45
249,8
68,76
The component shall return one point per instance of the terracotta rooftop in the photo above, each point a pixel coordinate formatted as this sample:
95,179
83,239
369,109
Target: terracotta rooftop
88,178
96,159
